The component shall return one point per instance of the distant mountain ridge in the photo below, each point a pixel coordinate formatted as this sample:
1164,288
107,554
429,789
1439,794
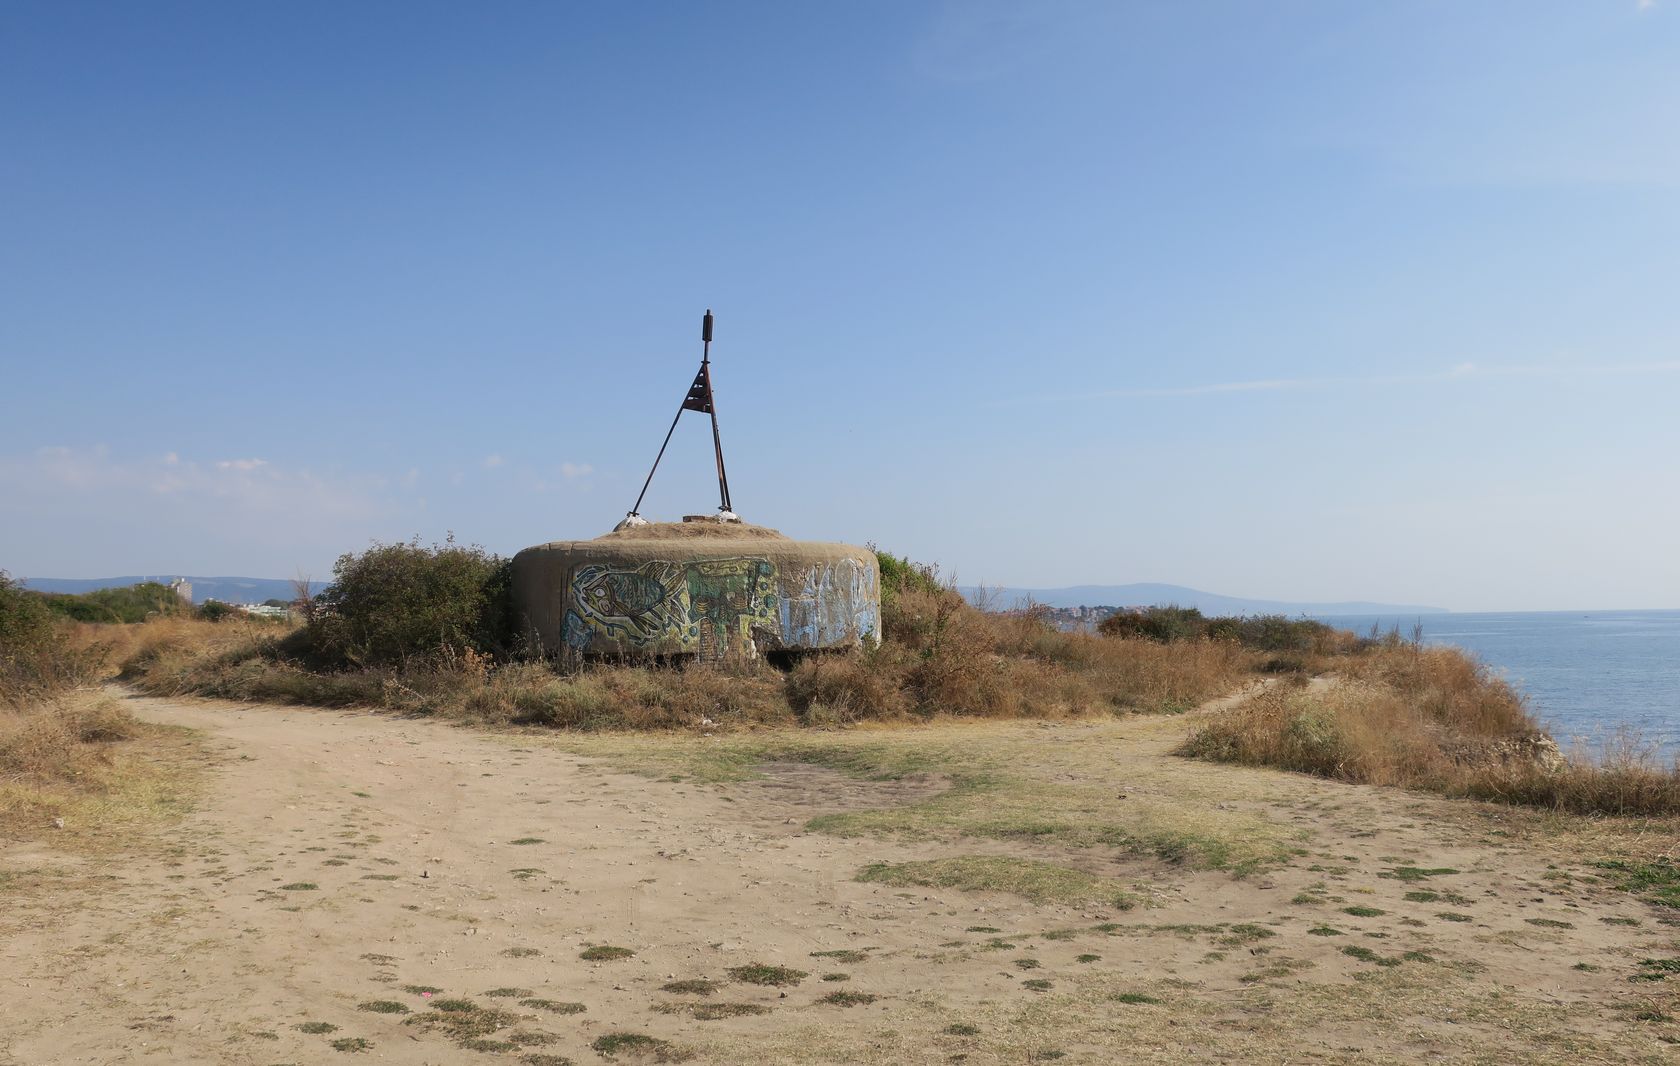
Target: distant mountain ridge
258,589
1154,595
225,589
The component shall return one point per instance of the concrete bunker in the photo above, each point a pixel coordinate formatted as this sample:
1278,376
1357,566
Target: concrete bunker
702,588
708,587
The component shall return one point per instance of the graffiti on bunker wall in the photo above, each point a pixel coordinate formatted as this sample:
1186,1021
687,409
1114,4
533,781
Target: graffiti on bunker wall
831,603
729,599
643,607
718,607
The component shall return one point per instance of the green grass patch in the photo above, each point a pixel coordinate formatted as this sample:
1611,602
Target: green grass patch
1362,911
528,840
1034,880
1455,916
1657,969
1086,958
1133,998
1004,786
1550,923
464,1021
962,1029
693,986
300,886
456,1006
1037,984
520,953
711,1012
553,1006
846,956
605,953
1324,930
1657,883
316,1028
530,1038
758,973
382,1006
508,993
1416,873
637,1044
351,1044
845,998
1364,954
1244,933
421,990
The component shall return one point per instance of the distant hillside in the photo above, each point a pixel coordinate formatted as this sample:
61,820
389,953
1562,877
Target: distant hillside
225,589
1150,595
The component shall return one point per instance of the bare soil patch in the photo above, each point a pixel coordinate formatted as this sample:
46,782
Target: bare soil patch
195,951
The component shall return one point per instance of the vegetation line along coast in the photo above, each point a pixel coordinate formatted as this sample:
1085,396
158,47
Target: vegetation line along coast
1153,824
428,630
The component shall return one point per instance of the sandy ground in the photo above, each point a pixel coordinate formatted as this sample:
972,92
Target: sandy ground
338,858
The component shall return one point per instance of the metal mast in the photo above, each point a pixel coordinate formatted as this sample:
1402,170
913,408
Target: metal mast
698,398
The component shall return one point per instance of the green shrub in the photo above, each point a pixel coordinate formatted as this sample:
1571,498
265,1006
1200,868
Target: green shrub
34,659
132,603
214,610
901,575
1262,632
398,602
1164,624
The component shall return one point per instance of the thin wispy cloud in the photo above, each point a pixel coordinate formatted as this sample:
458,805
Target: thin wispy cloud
1460,372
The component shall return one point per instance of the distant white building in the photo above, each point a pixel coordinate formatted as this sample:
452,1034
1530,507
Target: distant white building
182,588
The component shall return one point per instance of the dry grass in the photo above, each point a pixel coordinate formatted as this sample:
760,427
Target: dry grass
1435,719
82,768
1031,879
941,657
1007,784
1102,1016
75,763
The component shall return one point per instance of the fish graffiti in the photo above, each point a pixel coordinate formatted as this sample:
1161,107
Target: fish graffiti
644,607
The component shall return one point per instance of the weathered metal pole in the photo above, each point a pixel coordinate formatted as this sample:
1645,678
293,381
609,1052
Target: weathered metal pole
711,402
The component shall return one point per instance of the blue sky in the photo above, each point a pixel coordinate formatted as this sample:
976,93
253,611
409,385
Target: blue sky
1299,300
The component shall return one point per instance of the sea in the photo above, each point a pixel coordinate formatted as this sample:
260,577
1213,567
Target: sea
1587,675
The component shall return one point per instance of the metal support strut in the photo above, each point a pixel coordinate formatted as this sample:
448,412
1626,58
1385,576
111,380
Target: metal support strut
698,398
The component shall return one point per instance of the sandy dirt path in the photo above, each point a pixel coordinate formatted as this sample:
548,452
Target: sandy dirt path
341,859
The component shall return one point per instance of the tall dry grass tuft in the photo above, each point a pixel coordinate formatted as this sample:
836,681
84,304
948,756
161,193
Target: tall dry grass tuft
1434,719
1625,776
957,660
60,739
53,753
